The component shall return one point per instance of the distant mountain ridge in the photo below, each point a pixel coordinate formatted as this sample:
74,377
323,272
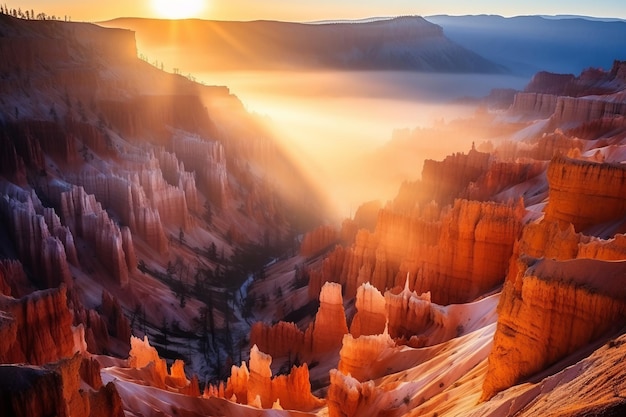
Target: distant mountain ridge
528,44
403,43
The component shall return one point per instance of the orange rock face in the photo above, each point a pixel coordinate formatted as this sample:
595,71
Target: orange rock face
585,193
54,389
442,181
456,254
324,334
347,397
549,310
357,354
257,387
371,316
13,280
317,240
43,323
330,320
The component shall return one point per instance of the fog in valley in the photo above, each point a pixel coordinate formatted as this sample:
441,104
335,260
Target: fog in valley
335,123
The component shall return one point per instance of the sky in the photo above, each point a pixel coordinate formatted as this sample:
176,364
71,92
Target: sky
311,10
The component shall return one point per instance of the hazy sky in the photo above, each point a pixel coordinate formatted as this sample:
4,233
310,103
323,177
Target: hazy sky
307,10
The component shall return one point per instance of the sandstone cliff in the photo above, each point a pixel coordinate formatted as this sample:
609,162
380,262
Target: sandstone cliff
456,253
292,391
317,240
442,181
43,328
548,310
585,193
323,335
54,389
85,217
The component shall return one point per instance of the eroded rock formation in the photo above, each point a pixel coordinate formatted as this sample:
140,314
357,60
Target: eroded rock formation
585,193
317,240
324,334
54,389
43,327
548,310
37,245
86,218
456,253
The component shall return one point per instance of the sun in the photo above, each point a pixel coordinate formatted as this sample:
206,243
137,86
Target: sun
178,9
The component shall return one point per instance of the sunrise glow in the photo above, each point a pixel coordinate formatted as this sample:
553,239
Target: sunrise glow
180,9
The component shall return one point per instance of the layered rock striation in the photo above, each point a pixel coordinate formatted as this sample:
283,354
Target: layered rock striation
317,240
43,328
549,310
257,387
456,253
41,242
323,335
585,193
114,246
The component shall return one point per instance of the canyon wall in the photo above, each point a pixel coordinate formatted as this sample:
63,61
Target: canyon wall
585,193
324,334
44,327
317,240
456,253
258,388
41,242
55,389
547,311
85,217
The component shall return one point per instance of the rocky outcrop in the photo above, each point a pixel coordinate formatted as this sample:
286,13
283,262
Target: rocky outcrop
598,128
146,365
585,193
207,159
442,181
13,280
317,240
324,334
258,388
117,323
128,199
330,320
142,355
371,316
54,389
43,323
168,200
502,175
535,105
456,253
575,111
174,173
347,397
36,245
548,310
549,83
281,339
357,354
86,218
